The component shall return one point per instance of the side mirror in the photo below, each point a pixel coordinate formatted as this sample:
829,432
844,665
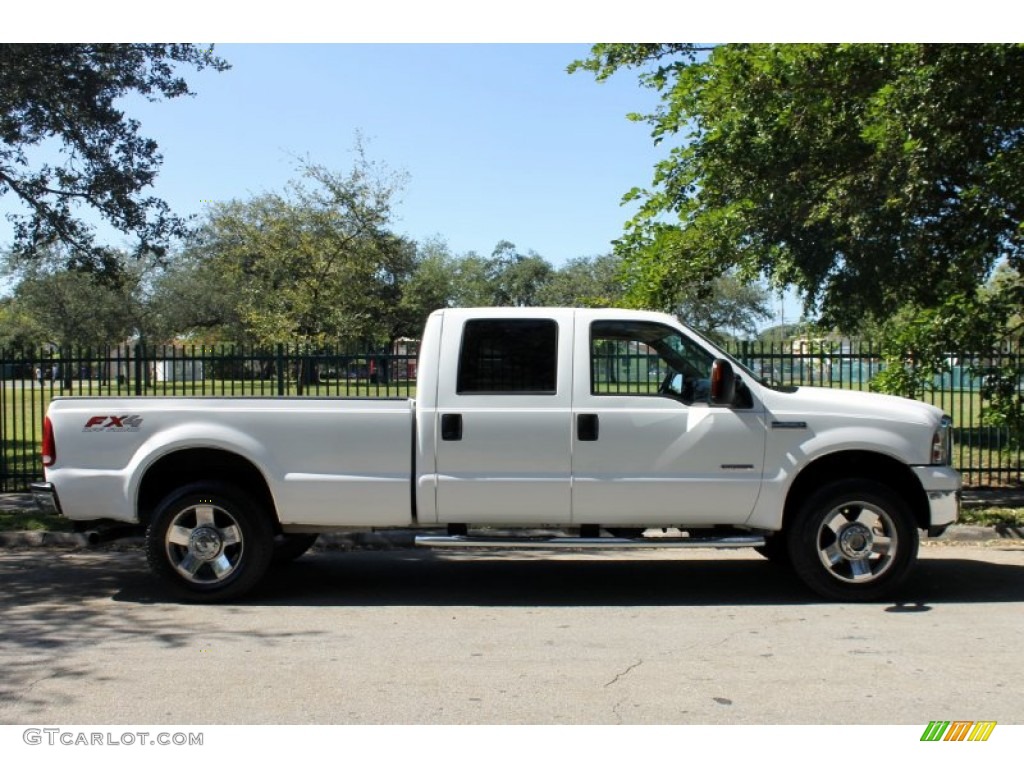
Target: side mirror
723,383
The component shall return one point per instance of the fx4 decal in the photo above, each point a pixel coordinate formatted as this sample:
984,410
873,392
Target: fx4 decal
113,424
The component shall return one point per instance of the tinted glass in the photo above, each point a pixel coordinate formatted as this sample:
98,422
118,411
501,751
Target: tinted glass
509,357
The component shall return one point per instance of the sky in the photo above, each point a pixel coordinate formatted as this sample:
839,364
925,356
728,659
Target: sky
497,142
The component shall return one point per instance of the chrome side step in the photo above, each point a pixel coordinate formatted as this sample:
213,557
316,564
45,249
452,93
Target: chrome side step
572,542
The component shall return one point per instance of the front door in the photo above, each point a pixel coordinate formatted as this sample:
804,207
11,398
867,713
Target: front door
647,444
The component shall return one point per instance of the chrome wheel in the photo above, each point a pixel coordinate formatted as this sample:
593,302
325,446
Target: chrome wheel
857,542
204,544
853,539
210,541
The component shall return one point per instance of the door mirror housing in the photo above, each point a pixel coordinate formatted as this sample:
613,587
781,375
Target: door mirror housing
723,383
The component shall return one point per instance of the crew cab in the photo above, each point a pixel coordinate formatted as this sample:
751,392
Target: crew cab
599,428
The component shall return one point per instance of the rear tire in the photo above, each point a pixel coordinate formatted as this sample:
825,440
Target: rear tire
853,540
209,542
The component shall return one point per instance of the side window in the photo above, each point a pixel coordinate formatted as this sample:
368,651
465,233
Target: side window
643,358
510,357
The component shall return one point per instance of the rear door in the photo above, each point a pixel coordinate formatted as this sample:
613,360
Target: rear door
502,430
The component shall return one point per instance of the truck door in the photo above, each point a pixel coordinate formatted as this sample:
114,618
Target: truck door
503,436
647,445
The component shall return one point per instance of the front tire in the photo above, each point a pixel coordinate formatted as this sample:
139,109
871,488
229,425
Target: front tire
853,540
209,542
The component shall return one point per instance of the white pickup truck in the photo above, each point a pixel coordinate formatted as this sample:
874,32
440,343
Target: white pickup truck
601,428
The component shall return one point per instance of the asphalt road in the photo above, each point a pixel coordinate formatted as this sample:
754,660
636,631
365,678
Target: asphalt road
411,636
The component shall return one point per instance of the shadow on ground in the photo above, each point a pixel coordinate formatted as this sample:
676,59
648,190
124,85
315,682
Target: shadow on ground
423,578
70,584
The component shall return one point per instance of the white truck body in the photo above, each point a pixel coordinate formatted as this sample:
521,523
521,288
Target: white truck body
565,445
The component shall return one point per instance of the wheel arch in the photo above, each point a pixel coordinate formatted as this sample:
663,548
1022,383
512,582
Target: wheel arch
846,465
186,466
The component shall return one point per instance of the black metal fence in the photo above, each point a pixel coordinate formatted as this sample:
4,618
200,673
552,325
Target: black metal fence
987,455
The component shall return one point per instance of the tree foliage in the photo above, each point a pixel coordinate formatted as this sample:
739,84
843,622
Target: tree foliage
516,279
868,176
195,296
75,307
586,282
66,97
922,344
730,305
313,263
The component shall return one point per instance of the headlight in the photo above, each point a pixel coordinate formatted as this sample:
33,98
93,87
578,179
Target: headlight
942,443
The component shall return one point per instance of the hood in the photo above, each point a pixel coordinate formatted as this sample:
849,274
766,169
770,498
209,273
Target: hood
850,403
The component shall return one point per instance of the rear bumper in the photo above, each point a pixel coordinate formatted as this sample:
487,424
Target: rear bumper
942,487
45,497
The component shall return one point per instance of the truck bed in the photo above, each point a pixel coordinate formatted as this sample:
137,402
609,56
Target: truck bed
327,461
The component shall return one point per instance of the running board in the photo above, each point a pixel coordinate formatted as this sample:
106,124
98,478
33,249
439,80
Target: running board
570,542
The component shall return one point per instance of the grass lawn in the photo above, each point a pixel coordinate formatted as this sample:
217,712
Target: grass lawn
992,516
33,521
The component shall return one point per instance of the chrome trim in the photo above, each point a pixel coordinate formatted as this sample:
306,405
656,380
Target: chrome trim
570,542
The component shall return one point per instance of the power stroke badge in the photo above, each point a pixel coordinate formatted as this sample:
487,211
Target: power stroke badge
131,423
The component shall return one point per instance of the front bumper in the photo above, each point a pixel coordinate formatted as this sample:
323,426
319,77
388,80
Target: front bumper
45,497
942,486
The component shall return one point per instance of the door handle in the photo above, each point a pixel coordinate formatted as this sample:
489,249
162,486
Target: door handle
451,426
587,427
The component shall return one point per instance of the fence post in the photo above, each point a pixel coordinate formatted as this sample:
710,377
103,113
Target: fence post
280,370
139,364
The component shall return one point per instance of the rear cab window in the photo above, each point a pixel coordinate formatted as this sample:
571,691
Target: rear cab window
508,357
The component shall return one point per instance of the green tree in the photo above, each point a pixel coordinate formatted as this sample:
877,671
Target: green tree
19,330
868,176
730,306
315,264
432,284
586,282
472,283
515,279
70,308
922,344
196,297
70,94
